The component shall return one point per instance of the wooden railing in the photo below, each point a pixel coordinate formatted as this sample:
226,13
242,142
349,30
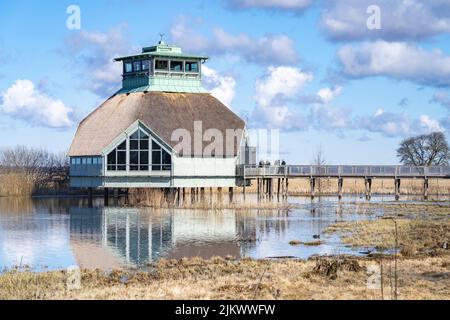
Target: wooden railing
342,171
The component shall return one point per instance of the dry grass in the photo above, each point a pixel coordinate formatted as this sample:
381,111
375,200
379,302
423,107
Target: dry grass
426,278
414,236
16,184
210,200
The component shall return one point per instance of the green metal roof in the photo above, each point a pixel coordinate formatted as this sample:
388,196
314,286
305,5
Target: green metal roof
162,50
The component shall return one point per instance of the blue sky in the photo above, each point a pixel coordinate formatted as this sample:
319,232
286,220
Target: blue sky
309,68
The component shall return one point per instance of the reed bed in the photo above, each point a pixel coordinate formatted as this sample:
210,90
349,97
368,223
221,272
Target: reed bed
210,200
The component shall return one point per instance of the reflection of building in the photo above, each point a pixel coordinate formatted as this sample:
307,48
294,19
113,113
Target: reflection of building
132,238
109,237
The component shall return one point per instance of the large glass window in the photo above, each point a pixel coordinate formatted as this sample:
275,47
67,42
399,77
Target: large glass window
117,159
144,154
191,66
162,65
176,66
161,159
139,142
128,66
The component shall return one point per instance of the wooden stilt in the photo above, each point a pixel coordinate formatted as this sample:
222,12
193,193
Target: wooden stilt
90,197
425,188
368,185
340,187
312,183
397,188
278,188
105,196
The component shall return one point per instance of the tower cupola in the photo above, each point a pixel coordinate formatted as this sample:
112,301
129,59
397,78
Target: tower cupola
162,68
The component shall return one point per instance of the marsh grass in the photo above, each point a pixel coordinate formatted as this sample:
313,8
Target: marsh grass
219,278
215,200
414,236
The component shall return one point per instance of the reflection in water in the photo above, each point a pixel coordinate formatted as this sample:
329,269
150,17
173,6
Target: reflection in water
62,232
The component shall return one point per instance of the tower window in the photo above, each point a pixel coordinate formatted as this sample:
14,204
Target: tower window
145,65
191,66
162,65
128,66
136,66
176,66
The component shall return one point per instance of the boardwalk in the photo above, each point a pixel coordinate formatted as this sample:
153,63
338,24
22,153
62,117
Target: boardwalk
265,175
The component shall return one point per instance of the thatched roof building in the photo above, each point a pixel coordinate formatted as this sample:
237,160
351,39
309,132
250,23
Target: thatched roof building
134,138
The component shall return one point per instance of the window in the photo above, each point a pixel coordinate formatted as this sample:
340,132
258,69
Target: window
144,154
161,65
191,66
72,161
117,159
128,66
136,66
145,65
78,161
176,66
161,160
139,142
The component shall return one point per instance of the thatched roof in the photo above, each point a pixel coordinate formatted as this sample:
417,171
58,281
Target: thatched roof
162,112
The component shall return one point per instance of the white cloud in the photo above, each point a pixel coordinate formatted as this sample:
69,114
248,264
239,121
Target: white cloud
442,98
327,95
93,53
221,87
397,124
23,101
326,117
269,49
295,5
428,125
397,60
280,82
278,85
400,19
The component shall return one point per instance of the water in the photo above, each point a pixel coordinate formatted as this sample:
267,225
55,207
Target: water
56,233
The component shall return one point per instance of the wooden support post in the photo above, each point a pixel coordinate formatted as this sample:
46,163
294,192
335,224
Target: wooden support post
258,185
90,197
397,188
368,184
202,193
230,191
312,183
270,188
278,189
425,188
340,187
105,196
287,188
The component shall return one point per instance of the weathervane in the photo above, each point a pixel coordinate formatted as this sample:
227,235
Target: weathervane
161,35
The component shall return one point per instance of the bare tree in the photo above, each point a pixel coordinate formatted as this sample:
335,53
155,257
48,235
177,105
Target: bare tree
425,150
32,159
319,157
319,161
